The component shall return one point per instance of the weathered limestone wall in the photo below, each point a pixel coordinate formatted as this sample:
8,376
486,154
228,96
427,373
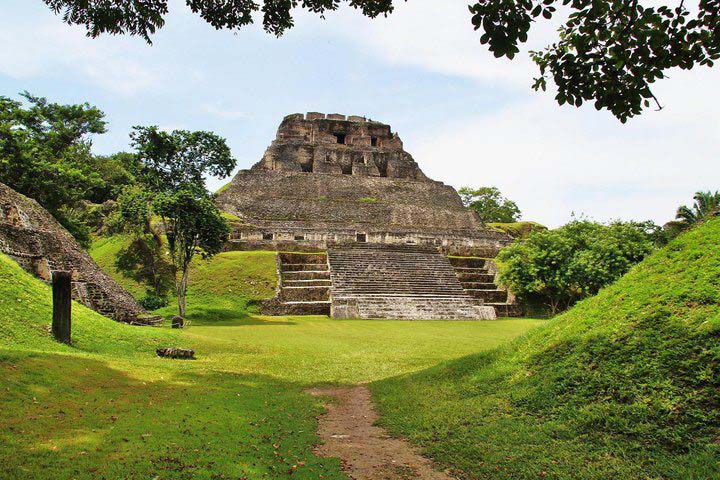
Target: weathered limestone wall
38,243
335,144
329,179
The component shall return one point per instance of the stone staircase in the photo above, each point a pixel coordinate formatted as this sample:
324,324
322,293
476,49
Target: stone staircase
398,282
477,277
304,285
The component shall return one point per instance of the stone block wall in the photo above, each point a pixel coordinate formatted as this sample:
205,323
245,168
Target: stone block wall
39,244
329,179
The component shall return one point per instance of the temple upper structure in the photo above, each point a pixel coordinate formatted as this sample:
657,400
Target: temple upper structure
332,179
336,144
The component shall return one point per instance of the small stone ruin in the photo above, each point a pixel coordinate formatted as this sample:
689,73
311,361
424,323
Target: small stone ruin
40,245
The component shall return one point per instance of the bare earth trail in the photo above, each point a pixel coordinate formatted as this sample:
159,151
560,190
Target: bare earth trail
367,452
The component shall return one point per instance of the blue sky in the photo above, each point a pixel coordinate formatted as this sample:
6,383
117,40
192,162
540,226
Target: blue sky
467,118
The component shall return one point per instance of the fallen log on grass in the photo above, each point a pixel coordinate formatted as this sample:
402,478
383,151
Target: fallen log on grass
172,352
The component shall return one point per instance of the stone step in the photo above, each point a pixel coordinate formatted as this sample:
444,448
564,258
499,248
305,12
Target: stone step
489,296
306,275
479,286
298,267
476,277
467,262
305,308
466,270
292,257
321,282
304,294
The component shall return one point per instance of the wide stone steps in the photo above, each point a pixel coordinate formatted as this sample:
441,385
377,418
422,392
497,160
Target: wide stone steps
475,278
398,282
419,308
304,286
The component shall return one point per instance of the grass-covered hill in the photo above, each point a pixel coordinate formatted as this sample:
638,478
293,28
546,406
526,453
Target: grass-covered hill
624,385
108,407
221,287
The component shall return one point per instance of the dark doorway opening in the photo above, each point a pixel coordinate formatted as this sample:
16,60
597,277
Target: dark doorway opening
382,168
340,137
268,236
346,169
361,237
307,167
373,141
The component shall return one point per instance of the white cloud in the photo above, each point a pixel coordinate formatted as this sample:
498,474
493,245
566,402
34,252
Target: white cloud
554,161
435,36
223,112
43,46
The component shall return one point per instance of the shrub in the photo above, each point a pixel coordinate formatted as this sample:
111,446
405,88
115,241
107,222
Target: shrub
559,267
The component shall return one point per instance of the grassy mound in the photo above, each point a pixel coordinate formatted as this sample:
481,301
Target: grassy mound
107,407
26,313
221,288
517,229
624,385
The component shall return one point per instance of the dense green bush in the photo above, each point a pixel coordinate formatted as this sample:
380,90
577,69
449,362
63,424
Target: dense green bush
559,267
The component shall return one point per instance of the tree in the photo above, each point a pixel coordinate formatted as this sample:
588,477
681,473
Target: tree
45,154
116,172
609,52
144,258
706,205
192,224
172,167
172,160
559,267
490,205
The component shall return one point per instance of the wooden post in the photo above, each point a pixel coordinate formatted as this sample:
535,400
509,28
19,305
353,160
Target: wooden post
62,301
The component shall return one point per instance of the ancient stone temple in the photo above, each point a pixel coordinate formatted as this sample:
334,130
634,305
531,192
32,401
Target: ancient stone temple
383,232
38,243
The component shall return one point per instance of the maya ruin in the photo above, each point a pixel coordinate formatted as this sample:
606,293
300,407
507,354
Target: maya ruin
390,242
499,261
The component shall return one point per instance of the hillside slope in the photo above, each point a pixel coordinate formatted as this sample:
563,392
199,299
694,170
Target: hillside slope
107,407
624,385
222,287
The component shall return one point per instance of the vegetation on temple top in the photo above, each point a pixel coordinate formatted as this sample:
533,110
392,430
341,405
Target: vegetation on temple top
517,229
490,204
609,52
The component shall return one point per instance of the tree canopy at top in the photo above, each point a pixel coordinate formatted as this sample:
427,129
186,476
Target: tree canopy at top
609,52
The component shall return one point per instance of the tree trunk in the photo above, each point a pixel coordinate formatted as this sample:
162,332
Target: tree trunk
62,302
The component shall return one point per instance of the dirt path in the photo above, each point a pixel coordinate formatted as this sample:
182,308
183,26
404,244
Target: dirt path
366,451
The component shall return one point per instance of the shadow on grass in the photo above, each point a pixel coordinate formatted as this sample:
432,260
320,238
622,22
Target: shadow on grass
66,417
221,317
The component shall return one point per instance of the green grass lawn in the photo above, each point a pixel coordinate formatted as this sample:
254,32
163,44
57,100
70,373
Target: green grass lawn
626,385
107,407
